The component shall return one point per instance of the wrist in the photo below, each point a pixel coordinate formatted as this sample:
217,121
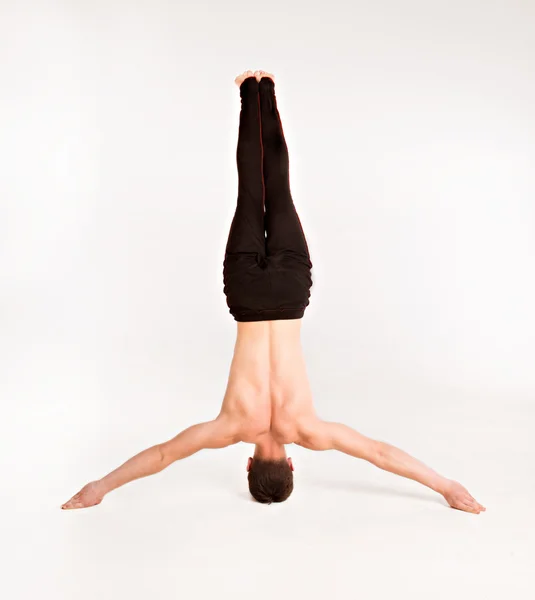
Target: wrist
103,486
441,485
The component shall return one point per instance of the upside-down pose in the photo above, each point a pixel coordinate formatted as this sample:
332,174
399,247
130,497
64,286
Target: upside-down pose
267,281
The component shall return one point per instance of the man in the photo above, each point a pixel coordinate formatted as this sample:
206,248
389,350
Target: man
267,281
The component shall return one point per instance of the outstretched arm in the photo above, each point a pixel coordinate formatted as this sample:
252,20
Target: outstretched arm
321,435
212,434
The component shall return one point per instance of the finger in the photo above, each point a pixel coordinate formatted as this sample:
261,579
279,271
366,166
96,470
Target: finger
467,507
473,503
478,504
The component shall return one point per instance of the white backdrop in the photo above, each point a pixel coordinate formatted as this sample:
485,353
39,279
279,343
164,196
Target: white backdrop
411,132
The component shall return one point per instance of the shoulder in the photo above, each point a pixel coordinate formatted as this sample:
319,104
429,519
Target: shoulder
248,409
313,433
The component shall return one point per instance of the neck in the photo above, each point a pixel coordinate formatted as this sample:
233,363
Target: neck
269,449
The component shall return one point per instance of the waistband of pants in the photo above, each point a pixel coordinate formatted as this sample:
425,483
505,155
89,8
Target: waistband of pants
276,314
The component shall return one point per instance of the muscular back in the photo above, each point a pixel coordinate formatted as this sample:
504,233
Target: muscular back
268,388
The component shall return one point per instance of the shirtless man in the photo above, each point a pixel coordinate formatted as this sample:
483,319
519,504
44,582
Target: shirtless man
268,401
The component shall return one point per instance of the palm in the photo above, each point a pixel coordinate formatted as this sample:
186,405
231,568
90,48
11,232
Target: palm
458,497
89,495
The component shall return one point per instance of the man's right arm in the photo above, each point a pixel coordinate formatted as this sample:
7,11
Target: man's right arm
218,433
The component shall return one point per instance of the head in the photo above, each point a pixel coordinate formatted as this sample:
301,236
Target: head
270,480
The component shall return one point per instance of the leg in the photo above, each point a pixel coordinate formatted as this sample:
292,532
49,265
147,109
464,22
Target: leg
247,230
283,227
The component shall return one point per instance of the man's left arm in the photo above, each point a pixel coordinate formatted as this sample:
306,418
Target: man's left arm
322,435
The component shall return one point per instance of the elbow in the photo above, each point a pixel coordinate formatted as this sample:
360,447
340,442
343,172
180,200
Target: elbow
162,457
380,454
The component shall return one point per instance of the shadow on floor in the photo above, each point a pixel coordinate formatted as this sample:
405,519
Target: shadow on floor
375,490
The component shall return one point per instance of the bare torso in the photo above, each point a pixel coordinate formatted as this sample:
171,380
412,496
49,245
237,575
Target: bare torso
268,391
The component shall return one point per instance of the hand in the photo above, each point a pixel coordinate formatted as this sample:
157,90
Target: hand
458,497
89,495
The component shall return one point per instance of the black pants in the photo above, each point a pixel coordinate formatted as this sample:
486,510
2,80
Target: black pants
267,267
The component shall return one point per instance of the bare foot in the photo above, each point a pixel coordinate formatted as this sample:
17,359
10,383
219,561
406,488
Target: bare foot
260,74
241,78
89,495
458,497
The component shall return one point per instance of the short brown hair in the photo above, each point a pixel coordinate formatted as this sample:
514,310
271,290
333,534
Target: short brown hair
270,480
